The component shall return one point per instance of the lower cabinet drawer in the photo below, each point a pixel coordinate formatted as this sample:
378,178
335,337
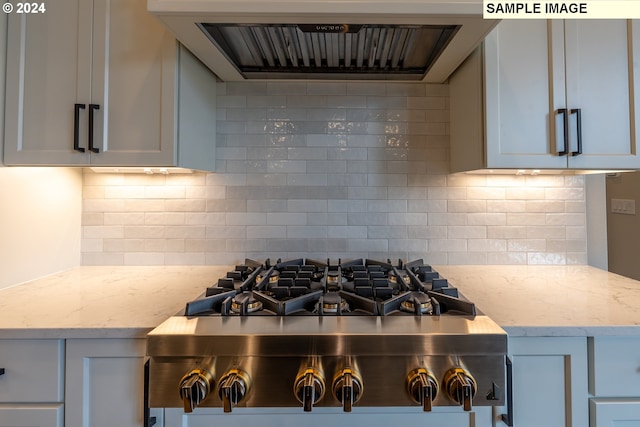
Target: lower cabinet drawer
50,415
614,366
33,371
614,412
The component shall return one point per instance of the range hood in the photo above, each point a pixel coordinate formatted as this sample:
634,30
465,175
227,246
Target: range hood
410,40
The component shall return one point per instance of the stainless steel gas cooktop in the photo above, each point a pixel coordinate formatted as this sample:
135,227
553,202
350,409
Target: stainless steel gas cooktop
345,334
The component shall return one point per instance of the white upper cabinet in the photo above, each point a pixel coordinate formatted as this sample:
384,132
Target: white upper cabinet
99,83
548,95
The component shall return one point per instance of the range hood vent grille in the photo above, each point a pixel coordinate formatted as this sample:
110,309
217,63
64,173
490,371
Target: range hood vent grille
336,51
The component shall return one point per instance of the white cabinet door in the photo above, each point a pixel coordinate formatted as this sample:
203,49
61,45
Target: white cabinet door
103,83
105,382
519,127
601,63
549,381
614,412
555,95
50,415
47,74
322,417
133,83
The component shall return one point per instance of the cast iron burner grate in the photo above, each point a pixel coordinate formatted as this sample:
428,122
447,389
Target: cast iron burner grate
355,288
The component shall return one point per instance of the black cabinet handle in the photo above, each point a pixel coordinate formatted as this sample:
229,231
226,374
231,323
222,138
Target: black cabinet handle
76,129
578,113
508,417
92,108
565,132
1,371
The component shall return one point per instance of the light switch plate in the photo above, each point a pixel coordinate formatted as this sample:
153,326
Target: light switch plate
623,206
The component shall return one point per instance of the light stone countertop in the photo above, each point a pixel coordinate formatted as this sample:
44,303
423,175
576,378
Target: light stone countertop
551,300
127,302
101,302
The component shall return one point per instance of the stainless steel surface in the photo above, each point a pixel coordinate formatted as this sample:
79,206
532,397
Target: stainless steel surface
328,336
273,378
272,350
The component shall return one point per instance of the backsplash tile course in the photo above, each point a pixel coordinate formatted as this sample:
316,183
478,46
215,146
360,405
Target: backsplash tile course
332,169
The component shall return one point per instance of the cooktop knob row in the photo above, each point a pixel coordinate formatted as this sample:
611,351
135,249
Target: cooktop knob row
347,387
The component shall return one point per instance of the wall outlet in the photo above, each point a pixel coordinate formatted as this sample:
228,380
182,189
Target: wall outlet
623,206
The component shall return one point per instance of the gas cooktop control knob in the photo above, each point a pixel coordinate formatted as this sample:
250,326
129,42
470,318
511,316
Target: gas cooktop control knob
195,387
347,387
233,387
460,387
423,387
309,387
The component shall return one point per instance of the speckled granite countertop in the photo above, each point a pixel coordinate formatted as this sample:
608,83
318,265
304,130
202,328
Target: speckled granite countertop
127,302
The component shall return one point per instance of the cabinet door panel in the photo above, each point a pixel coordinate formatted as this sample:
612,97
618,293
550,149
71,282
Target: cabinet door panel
43,56
518,89
134,83
600,83
549,381
105,381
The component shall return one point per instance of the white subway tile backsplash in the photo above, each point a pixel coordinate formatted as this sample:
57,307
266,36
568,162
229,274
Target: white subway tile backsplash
103,232
344,169
467,232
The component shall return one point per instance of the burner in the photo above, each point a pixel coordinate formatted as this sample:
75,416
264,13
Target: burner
245,299
272,279
423,300
394,279
331,301
334,278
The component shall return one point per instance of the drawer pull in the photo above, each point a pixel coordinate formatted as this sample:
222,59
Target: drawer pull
1,371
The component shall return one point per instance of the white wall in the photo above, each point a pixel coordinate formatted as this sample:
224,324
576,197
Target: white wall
40,210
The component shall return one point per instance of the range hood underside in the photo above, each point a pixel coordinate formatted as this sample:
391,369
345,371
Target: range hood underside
410,40
362,52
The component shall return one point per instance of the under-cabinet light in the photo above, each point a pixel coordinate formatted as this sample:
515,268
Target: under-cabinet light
148,171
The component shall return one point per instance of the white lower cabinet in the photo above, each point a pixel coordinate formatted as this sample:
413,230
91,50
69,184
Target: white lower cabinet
105,382
31,383
322,417
614,380
38,415
614,412
549,381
